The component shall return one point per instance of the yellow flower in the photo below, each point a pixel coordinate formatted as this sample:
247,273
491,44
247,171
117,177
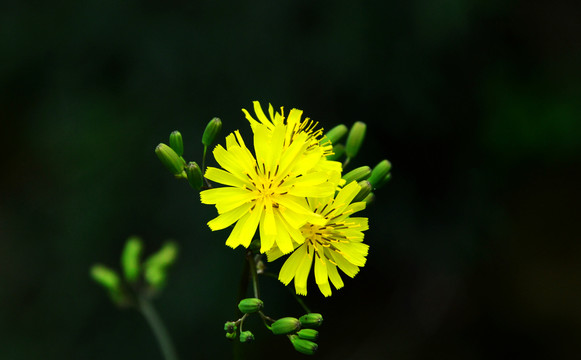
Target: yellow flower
338,242
268,191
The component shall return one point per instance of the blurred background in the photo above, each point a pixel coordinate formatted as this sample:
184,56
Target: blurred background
475,250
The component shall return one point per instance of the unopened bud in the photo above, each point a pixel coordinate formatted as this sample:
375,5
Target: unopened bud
231,336
285,325
250,305
365,190
212,130
383,181
246,336
176,142
361,173
338,151
379,172
170,159
308,334
130,258
311,320
303,346
155,267
106,277
355,139
194,174
336,133
370,199
230,326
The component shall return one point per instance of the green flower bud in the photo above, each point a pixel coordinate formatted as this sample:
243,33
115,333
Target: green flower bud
336,133
370,199
380,171
212,130
355,139
308,334
176,142
194,174
285,325
361,173
246,336
230,326
231,336
250,305
383,181
130,258
338,151
365,190
106,277
303,346
311,320
170,159
155,267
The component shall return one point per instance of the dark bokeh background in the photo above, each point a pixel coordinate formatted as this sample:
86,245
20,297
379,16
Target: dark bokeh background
475,250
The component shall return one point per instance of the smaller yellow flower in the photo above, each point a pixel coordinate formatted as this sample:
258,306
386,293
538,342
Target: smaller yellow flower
337,243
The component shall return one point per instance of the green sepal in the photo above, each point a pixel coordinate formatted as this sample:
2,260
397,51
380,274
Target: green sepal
338,151
365,190
336,133
308,334
361,173
250,305
194,174
170,159
355,139
131,258
176,142
212,130
303,346
246,336
285,325
311,320
379,172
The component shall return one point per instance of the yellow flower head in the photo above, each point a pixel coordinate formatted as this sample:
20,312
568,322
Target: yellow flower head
337,242
267,191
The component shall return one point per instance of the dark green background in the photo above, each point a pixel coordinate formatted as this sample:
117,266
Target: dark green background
475,250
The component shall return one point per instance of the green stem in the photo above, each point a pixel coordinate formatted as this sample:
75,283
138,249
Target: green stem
297,298
158,328
253,273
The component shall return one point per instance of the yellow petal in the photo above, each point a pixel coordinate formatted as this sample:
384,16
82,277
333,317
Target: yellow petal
228,218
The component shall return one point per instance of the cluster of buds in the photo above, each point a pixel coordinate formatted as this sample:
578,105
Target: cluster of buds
300,332
368,179
145,278
172,156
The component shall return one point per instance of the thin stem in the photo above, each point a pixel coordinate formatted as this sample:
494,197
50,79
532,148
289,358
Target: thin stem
204,168
253,273
158,328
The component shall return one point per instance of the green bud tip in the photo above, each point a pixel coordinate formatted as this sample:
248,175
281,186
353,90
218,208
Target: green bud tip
250,305
246,336
338,151
106,277
355,139
212,130
384,181
194,174
336,133
176,142
361,173
156,265
130,258
308,334
380,171
285,325
170,159
230,326
365,190
311,320
303,346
